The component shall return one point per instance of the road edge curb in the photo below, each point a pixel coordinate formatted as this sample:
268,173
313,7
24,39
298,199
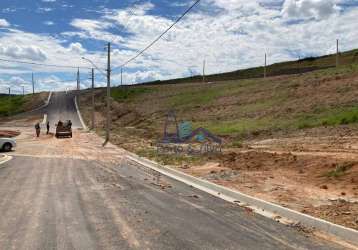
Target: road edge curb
47,102
80,115
344,233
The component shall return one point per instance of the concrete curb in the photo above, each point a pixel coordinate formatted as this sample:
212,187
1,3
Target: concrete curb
5,158
44,119
49,98
46,103
79,115
259,205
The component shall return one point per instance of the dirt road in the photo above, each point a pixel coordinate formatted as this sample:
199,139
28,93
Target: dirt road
74,194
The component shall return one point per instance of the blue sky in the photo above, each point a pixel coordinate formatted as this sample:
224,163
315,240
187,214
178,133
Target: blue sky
228,34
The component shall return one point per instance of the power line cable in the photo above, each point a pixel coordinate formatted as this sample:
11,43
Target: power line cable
43,64
161,35
131,13
55,81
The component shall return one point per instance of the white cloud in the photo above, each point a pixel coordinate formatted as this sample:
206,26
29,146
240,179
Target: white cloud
90,25
93,29
229,34
44,9
49,23
4,23
9,10
17,80
15,84
76,47
139,76
305,9
16,44
23,52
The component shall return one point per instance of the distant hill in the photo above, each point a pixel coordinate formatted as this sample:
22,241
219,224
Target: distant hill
285,68
237,109
15,104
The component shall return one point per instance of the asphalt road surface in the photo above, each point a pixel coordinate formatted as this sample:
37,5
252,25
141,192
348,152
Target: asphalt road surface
62,107
70,203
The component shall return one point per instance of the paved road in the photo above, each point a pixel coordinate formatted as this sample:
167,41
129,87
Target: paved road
70,203
62,107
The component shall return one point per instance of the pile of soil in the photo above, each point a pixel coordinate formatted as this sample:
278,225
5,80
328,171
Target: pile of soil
339,212
322,186
253,160
8,133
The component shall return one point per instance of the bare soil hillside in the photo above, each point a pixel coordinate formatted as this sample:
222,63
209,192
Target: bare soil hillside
289,139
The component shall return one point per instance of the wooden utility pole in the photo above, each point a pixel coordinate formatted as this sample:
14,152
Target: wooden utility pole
337,54
33,83
265,66
108,125
78,79
204,64
121,76
93,103
9,91
23,90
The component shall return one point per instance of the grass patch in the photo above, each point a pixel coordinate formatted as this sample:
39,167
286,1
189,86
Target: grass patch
334,117
200,96
123,94
340,170
263,104
10,105
237,144
238,127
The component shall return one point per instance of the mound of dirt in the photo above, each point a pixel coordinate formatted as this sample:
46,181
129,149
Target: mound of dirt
319,185
254,160
8,133
339,212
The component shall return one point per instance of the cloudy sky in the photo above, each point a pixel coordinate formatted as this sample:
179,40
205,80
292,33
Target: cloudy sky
228,34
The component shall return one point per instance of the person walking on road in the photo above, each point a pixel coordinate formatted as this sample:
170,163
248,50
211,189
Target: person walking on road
48,127
38,129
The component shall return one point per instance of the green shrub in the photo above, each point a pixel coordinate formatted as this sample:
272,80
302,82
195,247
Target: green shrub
340,170
122,94
11,105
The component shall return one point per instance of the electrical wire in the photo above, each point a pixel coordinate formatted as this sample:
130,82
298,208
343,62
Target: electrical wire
131,13
55,81
43,64
124,64
161,35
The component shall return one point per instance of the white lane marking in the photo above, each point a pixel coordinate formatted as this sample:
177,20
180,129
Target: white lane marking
79,114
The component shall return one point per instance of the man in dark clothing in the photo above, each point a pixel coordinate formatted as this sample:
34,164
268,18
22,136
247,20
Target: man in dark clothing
38,129
48,127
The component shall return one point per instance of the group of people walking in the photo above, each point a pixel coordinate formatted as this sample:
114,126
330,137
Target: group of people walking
38,128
